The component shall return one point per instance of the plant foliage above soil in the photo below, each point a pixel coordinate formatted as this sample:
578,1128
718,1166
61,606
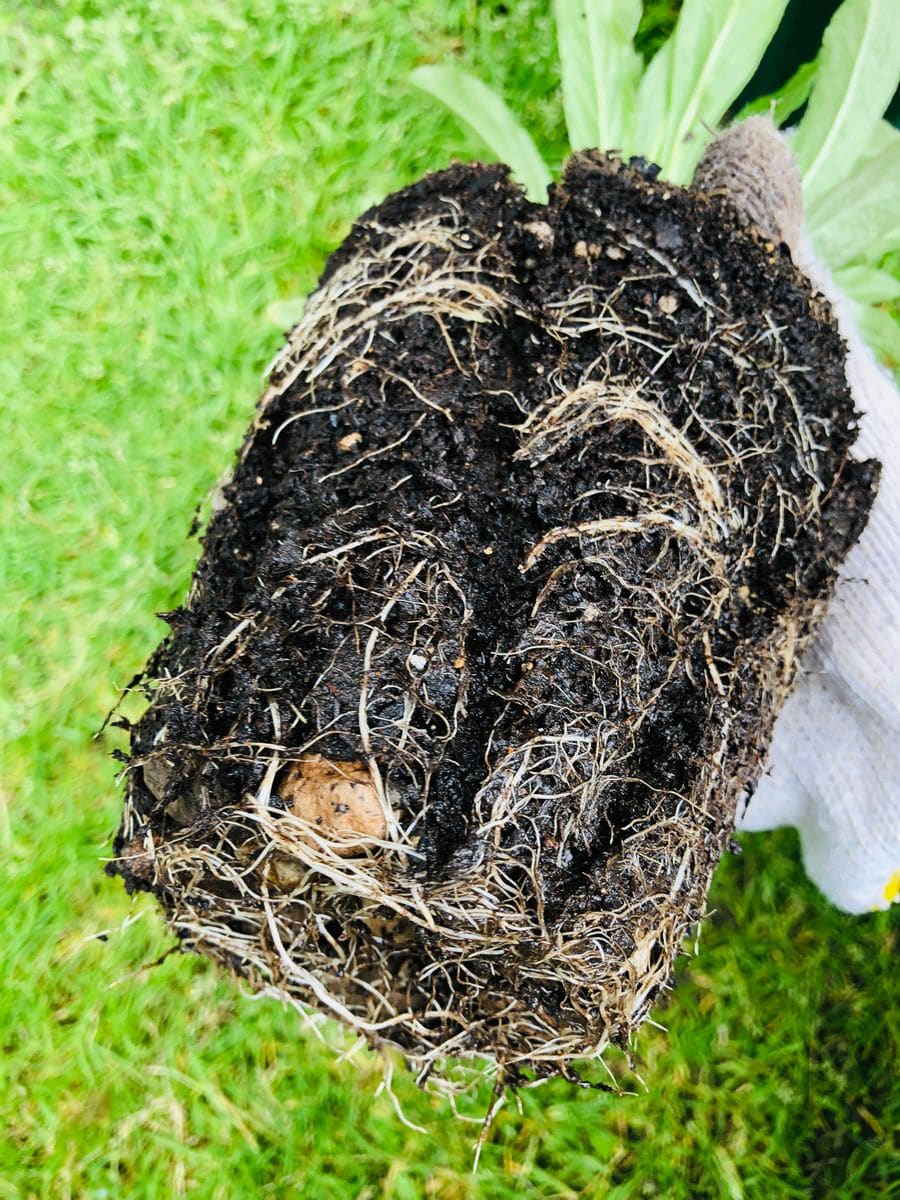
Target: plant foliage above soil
667,112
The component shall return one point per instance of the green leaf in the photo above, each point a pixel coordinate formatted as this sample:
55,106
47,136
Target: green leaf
576,66
883,138
784,101
600,70
617,67
858,73
492,121
868,285
860,217
649,125
716,47
881,329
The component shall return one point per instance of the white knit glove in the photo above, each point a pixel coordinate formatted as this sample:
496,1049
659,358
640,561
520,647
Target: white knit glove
834,765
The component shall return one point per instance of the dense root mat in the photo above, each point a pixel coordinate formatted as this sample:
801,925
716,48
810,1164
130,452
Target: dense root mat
495,614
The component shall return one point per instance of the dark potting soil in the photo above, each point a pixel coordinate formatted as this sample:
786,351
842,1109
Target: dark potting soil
535,517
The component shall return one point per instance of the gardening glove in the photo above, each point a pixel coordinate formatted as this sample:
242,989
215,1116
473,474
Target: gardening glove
834,767
834,764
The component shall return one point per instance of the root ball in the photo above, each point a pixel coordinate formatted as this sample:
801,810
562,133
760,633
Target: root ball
495,613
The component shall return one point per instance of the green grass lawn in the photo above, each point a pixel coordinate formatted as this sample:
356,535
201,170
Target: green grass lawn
168,172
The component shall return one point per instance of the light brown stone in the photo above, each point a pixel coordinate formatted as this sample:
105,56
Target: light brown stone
339,798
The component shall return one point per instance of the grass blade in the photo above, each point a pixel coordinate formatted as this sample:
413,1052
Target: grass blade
487,114
858,73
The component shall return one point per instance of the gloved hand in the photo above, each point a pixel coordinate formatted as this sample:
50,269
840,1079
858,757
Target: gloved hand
834,764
